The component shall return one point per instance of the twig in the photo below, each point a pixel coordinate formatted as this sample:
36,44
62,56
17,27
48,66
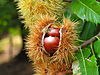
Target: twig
88,42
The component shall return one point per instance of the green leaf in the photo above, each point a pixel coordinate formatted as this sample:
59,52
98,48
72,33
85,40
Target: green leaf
68,14
97,48
88,31
86,52
88,10
87,65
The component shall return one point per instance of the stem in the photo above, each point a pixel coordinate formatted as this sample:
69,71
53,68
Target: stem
83,59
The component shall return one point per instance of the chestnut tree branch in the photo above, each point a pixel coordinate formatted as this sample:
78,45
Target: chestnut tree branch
88,42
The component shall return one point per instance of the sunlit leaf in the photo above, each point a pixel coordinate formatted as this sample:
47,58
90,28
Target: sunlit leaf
88,10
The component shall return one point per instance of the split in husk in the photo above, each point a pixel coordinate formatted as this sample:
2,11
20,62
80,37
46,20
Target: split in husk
63,57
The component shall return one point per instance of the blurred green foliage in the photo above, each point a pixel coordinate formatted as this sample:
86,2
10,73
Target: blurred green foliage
9,22
10,25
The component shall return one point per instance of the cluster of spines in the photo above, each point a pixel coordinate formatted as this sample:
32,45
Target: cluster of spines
31,10
37,14
34,39
62,58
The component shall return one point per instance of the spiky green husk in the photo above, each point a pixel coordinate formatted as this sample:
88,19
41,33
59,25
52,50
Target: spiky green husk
35,36
62,58
30,10
38,14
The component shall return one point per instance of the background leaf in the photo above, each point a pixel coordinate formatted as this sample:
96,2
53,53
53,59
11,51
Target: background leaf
97,48
88,10
88,31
